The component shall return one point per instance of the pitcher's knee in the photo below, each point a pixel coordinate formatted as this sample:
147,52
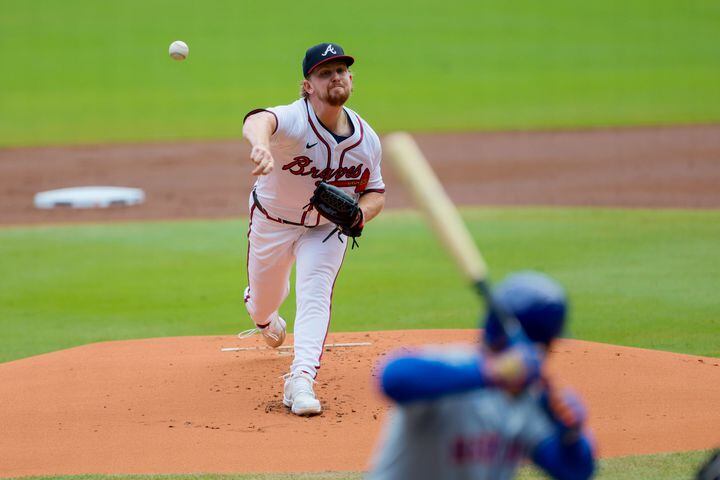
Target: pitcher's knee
261,308
257,313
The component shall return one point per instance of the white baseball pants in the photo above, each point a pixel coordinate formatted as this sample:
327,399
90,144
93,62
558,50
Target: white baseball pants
273,247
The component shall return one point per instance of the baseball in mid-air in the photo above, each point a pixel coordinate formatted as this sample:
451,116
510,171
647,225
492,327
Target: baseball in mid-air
179,50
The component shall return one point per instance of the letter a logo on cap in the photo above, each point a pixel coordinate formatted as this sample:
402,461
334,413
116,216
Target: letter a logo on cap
329,49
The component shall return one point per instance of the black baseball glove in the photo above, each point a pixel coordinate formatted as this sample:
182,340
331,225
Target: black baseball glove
340,208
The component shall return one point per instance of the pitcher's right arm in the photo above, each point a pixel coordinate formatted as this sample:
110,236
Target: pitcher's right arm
257,130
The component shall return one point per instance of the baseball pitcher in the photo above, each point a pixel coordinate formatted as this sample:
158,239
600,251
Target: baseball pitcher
319,183
477,415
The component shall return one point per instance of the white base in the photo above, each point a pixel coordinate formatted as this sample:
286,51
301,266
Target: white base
89,197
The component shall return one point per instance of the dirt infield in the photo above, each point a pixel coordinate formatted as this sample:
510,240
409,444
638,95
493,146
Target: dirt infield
638,167
182,405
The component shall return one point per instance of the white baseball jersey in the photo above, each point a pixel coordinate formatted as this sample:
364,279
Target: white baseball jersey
306,153
483,434
286,230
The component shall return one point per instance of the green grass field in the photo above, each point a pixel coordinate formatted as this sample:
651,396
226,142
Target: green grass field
85,71
636,277
674,466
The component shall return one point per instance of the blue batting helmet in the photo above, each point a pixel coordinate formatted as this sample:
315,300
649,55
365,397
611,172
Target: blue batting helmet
537,301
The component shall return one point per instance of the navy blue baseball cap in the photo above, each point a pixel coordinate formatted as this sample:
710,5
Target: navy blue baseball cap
323,53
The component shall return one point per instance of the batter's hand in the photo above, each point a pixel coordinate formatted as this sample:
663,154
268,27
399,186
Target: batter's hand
566,409
516,367
261,156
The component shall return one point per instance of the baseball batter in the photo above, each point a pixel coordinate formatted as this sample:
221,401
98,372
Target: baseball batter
470,415
295,148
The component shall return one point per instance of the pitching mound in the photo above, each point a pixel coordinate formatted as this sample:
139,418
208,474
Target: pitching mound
177,405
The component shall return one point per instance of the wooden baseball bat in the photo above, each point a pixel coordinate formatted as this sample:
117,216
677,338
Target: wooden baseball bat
420,180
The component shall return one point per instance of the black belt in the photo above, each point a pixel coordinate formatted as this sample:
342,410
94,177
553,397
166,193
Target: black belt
279,220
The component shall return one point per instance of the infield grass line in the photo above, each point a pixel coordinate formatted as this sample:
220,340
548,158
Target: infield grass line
643,278
663,466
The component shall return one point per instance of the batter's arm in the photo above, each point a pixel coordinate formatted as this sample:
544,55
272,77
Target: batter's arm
567,453
412,378
565,462
371,205
257,130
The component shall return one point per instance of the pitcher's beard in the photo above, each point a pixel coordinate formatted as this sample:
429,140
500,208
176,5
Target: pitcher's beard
337,98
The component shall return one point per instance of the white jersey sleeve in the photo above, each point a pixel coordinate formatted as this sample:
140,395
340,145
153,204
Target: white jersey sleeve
375,184
291,124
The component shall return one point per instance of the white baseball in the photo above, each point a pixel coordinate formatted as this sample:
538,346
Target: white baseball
179,50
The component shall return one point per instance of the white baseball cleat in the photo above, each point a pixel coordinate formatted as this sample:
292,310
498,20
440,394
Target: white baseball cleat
273,334
299,395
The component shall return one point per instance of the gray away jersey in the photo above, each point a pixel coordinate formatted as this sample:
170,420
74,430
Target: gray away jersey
481,435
